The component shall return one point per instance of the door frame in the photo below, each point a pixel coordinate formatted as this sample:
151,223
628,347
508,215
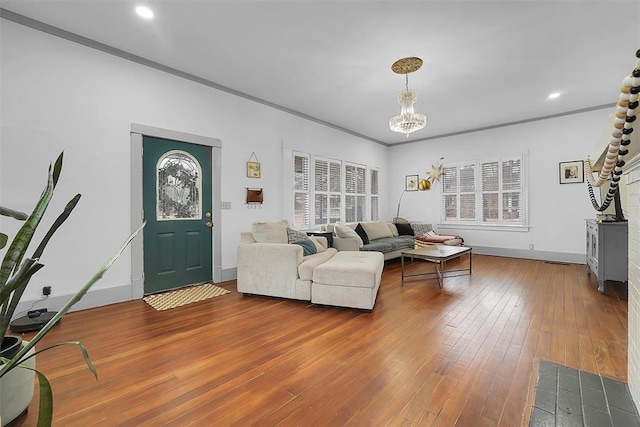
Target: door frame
137,245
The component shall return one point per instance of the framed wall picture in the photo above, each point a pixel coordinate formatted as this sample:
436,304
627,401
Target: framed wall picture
571,172
411,183
253,169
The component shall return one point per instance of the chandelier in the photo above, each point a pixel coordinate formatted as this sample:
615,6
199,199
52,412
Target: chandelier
407,121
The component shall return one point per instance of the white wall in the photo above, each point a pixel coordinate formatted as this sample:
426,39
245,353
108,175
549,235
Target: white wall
632,179
556,212
58,95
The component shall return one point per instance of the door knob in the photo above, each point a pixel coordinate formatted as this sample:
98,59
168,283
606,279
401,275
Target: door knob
209,224
208,214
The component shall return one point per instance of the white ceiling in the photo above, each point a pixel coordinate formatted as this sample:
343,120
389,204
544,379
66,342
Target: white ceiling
486,63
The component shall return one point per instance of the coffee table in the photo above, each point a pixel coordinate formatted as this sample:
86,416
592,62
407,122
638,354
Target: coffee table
437,254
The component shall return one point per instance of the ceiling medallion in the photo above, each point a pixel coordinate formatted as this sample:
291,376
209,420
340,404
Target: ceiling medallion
406,65
408,120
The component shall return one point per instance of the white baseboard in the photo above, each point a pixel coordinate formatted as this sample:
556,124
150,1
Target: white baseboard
229,274
93,298
571,258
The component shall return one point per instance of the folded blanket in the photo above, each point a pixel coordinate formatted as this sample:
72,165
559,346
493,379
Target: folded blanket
432,238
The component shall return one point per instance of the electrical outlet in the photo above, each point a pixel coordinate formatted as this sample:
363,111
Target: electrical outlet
46,290
531,246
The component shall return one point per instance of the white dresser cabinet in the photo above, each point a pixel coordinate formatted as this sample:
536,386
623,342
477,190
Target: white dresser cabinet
607,251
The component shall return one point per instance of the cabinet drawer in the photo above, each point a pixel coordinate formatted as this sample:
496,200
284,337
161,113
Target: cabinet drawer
592,227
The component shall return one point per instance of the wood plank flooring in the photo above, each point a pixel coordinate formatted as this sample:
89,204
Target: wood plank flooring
464,355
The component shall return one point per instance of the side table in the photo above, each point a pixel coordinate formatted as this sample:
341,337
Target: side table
327,234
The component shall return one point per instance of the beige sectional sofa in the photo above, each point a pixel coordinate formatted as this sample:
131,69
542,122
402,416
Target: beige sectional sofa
272,262
386,237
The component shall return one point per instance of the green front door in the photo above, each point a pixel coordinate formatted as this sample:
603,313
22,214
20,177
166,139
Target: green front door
177,207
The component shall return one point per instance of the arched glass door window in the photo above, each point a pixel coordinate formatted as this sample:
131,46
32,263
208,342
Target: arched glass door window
178,187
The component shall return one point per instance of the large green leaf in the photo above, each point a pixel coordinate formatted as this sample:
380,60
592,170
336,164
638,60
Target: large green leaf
21,241
11,293
45,409
13,214
77,297
83,349
57,223
57,168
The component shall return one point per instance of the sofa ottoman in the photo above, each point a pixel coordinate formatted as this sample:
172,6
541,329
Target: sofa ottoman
348,279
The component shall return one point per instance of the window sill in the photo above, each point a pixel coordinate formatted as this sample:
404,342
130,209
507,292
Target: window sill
484,227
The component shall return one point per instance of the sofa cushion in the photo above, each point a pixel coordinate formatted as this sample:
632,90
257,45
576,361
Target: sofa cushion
376,230
308,247
389,244
421,228
295,235
270,232
363,234
393,228
350,269
404,229
345,232
310,262
378,245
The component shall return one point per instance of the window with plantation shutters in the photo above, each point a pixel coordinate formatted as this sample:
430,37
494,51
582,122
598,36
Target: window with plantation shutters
458,192
355,193
489,192
375,210
327,191
467,174
450,193
301,190
511,207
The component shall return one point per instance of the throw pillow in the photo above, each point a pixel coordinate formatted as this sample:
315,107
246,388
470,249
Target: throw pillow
405,229
393,228
319,246
346,232
376,230
270,232
295,235
362,234
421,228
308,248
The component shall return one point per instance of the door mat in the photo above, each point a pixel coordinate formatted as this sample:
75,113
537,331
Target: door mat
180,297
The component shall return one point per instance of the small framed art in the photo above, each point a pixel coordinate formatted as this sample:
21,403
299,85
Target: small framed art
571,172
411,183
253,170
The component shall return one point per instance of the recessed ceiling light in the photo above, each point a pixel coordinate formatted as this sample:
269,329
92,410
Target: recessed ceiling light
553,95
144,11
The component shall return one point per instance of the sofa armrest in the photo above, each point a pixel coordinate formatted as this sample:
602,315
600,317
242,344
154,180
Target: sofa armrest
346,243
322,240
263,268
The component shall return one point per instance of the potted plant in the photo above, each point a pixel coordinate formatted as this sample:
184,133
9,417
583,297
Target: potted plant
15,272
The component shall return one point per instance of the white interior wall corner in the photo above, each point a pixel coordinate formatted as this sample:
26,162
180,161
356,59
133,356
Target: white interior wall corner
632,180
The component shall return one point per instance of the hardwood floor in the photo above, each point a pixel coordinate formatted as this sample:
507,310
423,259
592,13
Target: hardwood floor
466,355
